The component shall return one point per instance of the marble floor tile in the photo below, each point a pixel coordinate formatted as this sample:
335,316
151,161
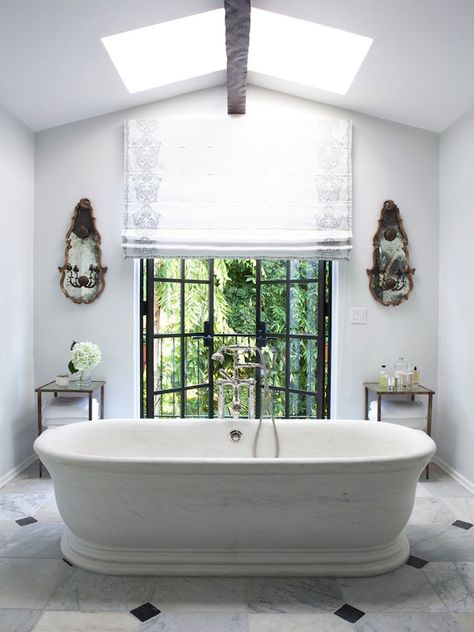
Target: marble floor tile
18,620
293,595
462,508
29,478
445,488
6,525
196,622
86,622
32,485
194,594
27,583
82,590
40,539
441,543
18,505
405,589
454,583
430,510
419,622
298,623
465,620
422,491
48,512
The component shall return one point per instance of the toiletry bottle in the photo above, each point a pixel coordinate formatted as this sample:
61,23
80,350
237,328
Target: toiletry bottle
399,373
416,377
383,378
409,376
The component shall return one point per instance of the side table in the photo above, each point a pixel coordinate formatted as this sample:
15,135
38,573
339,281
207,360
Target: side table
379,392
72,387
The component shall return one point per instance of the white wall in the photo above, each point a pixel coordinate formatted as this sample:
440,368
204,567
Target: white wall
17,416
84,159
455,424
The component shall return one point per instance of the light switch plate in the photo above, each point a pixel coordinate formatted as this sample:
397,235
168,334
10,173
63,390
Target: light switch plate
358,315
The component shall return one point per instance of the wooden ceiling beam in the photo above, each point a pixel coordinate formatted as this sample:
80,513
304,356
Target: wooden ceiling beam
237,28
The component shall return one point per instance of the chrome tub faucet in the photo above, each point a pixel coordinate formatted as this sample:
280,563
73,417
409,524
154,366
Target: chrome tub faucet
236,383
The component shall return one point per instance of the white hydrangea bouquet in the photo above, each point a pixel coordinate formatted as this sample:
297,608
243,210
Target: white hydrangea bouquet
84,357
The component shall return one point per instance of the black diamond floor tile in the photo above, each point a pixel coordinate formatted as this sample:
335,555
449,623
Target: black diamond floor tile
349,613
145,611
462,525
24,521
416,562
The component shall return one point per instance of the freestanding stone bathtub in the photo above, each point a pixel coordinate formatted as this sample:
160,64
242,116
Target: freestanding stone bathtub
179,497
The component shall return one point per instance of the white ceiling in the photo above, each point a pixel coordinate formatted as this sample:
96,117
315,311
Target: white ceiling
419,70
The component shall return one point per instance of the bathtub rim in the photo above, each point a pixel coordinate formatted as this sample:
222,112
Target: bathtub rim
247,465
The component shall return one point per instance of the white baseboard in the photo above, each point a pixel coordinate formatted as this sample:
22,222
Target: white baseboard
16,470
459,478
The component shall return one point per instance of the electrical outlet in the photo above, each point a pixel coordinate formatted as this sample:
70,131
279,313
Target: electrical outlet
358,315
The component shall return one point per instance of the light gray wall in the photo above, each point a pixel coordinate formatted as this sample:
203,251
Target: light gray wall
17,420
455,425
84,159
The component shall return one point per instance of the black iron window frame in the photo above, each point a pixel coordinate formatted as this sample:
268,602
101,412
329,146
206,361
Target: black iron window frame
209,337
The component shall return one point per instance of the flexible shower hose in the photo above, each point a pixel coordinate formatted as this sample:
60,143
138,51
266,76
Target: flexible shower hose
267,397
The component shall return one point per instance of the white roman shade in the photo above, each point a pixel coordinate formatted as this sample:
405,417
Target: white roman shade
238,188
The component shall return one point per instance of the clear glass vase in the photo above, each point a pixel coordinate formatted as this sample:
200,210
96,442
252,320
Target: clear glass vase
84,377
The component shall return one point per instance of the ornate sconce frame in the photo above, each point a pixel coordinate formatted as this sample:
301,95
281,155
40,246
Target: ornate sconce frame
82,275
391,277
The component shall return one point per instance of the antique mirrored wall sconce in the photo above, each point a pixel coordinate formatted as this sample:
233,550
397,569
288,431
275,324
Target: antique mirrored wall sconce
390,278
82,275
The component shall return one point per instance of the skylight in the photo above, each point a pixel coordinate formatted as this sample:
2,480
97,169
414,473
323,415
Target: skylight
304,52
169,52
280,46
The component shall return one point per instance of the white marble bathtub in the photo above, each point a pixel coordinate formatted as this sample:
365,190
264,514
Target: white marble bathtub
178,497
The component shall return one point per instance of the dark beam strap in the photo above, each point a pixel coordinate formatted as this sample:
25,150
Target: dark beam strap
237,30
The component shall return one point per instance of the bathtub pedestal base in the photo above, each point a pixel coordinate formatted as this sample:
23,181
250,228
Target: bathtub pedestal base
340,563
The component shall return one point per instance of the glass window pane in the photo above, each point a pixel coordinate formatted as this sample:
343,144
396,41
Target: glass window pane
234,296
303,364
168,405
196,299
273,270
221,306
143,279
304,308
274,307
302,406
196,269
167,268
304,269
167,363
196,362
275,359
197,403
278,404
167,307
